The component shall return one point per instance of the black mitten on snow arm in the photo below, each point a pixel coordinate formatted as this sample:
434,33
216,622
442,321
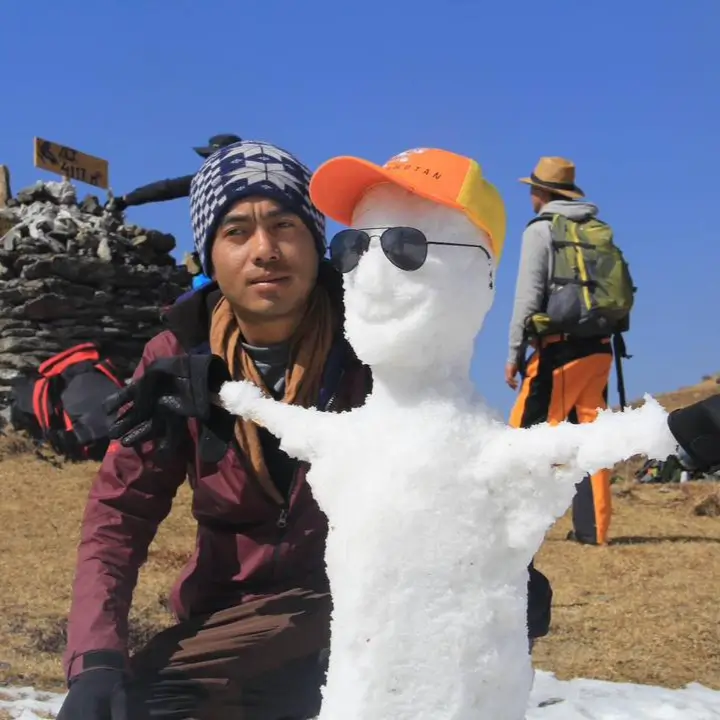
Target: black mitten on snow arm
697,430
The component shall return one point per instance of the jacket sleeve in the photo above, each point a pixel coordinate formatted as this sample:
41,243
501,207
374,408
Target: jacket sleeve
532,282
160,191
129,498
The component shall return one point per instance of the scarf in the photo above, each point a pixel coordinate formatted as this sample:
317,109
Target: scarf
309,348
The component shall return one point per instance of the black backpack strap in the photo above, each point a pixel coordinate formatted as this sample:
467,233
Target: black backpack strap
541,218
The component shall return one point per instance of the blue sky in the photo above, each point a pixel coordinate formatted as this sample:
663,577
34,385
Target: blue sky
629,91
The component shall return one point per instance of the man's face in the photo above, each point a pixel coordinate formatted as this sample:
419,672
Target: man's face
538,198
264,260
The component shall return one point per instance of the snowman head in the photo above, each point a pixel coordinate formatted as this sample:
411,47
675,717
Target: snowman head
419,258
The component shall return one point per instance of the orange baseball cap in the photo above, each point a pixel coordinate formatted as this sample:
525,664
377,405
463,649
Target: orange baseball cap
437,175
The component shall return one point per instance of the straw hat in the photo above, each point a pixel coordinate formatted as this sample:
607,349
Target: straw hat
557,175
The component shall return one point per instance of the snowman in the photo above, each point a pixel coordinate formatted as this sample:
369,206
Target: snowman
435,506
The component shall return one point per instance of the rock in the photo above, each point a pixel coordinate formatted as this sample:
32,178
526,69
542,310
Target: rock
29,195
192,263
62,192
11,362
47,307
64,227
91,205
40,227
54,245
104,252
86,239
27,344
7,375
72,273
161,242
11,240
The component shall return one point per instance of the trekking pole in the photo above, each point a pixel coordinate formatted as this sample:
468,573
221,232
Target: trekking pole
620,352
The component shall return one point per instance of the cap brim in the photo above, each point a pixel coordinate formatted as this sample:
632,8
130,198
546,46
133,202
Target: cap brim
204,151
339,184
574,194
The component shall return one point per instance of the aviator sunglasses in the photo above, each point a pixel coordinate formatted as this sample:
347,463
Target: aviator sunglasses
405,247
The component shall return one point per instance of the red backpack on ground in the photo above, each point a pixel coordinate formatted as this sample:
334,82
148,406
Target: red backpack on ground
62,404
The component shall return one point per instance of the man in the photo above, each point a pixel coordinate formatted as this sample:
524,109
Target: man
566,377
253,603
173,188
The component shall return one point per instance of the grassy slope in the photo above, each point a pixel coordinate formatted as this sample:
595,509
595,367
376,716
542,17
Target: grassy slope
643,609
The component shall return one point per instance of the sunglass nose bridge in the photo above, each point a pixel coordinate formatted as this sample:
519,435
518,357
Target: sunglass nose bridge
404,247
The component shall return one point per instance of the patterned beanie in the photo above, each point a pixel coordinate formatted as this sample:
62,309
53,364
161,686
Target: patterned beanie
244,169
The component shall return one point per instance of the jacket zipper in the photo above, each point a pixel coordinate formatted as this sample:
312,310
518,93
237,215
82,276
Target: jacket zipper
282,521
285,508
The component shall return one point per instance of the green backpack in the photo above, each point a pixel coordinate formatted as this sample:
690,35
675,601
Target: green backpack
591,292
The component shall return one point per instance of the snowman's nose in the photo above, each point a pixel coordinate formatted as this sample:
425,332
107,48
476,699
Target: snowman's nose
374,273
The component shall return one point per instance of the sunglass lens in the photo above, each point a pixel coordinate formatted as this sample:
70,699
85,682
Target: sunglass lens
347,247
405,247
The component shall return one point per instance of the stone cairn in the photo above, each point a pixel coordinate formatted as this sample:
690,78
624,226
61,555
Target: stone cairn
72,272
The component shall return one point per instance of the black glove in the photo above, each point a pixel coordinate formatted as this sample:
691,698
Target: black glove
170,391
697,431
99,694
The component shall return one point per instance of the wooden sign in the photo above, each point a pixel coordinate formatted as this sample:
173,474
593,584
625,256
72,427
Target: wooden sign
71,163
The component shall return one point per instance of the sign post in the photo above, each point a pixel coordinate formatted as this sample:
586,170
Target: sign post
70,163
6,225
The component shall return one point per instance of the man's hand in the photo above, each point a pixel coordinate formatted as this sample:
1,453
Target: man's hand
158,404
511,371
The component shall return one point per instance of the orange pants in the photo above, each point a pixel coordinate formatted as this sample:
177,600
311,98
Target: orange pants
568,380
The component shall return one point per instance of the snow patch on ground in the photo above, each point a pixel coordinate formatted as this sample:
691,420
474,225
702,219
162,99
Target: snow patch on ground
551,699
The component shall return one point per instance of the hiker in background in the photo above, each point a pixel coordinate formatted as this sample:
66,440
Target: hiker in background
566,377
171,189
253,604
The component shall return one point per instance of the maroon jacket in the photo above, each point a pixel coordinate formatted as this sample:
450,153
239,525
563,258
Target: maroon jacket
247,545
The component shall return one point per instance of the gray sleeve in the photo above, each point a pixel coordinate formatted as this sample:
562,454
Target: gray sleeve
532,280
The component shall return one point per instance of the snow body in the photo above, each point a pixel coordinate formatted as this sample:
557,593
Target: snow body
435,506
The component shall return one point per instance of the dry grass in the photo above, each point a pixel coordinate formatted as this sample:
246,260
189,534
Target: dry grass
688,395
39,520
645,609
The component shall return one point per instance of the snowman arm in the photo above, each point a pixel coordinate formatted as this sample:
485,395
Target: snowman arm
589,447
538,468
299,429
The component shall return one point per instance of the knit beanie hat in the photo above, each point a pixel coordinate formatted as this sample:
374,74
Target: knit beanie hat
243,169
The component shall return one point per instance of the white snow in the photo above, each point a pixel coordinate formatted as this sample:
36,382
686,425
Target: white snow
435,506
562,700
30,704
